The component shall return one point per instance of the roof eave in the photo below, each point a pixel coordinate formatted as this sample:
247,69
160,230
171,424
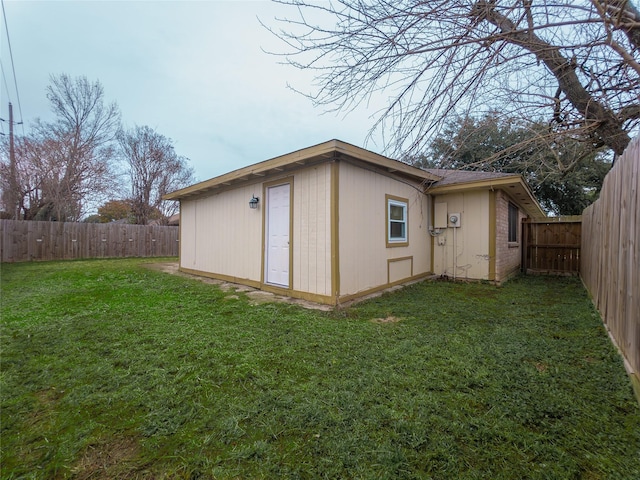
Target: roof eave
320,152
529,203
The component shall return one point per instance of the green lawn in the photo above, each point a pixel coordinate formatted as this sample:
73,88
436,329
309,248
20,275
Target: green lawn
112,370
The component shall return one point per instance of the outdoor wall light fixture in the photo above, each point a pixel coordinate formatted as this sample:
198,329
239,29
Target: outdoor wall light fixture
253,203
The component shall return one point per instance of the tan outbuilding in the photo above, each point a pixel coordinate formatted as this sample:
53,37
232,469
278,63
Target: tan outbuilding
334,222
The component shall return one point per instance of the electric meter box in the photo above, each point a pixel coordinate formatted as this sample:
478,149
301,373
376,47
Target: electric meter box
454,220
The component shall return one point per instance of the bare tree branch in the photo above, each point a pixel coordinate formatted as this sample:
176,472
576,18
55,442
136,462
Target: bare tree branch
608,127
425,61
154,170
68,164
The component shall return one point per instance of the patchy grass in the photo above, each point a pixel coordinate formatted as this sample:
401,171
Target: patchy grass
112,370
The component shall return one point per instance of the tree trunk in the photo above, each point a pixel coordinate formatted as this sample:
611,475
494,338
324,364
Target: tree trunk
605,123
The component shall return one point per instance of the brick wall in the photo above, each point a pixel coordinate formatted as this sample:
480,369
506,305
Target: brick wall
508,255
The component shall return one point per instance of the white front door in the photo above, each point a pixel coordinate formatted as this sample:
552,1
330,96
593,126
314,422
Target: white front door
277,235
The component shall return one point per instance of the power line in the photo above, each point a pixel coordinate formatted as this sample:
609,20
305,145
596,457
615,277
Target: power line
6,87
4,77
2,120
13,67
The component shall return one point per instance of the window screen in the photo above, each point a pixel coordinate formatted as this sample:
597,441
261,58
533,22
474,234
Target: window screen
513,223
397,218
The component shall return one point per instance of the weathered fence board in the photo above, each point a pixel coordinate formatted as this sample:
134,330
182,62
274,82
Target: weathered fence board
552,245
610,254
31,241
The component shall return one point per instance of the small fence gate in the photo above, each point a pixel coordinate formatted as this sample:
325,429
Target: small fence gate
552,245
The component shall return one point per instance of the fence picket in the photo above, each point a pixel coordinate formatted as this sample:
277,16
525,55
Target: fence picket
610,263
34,241
552,245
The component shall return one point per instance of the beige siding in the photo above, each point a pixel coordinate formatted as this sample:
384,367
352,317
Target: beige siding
400,269
363,252
312,230
222,235
187,234
465,253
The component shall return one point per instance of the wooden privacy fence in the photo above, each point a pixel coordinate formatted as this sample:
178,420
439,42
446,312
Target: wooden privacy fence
552,245
23,241
610,258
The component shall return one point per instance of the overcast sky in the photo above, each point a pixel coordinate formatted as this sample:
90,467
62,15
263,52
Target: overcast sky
195,71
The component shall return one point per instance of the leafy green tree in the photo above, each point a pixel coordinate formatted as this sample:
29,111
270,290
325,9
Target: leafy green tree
95,218
115,210
565,175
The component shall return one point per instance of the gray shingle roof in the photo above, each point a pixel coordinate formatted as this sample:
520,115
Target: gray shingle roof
450,177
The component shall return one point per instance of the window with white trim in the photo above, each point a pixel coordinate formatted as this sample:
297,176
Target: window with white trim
396,221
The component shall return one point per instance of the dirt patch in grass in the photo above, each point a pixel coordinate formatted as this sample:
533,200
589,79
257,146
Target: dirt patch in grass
388,319
541,367
486,293
49,395
108,460
166,267
47,400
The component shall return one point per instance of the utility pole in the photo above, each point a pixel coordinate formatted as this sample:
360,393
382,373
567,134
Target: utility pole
12,198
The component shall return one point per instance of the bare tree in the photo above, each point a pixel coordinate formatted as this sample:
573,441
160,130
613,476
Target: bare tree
155,169
65,165
24,181
576,62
